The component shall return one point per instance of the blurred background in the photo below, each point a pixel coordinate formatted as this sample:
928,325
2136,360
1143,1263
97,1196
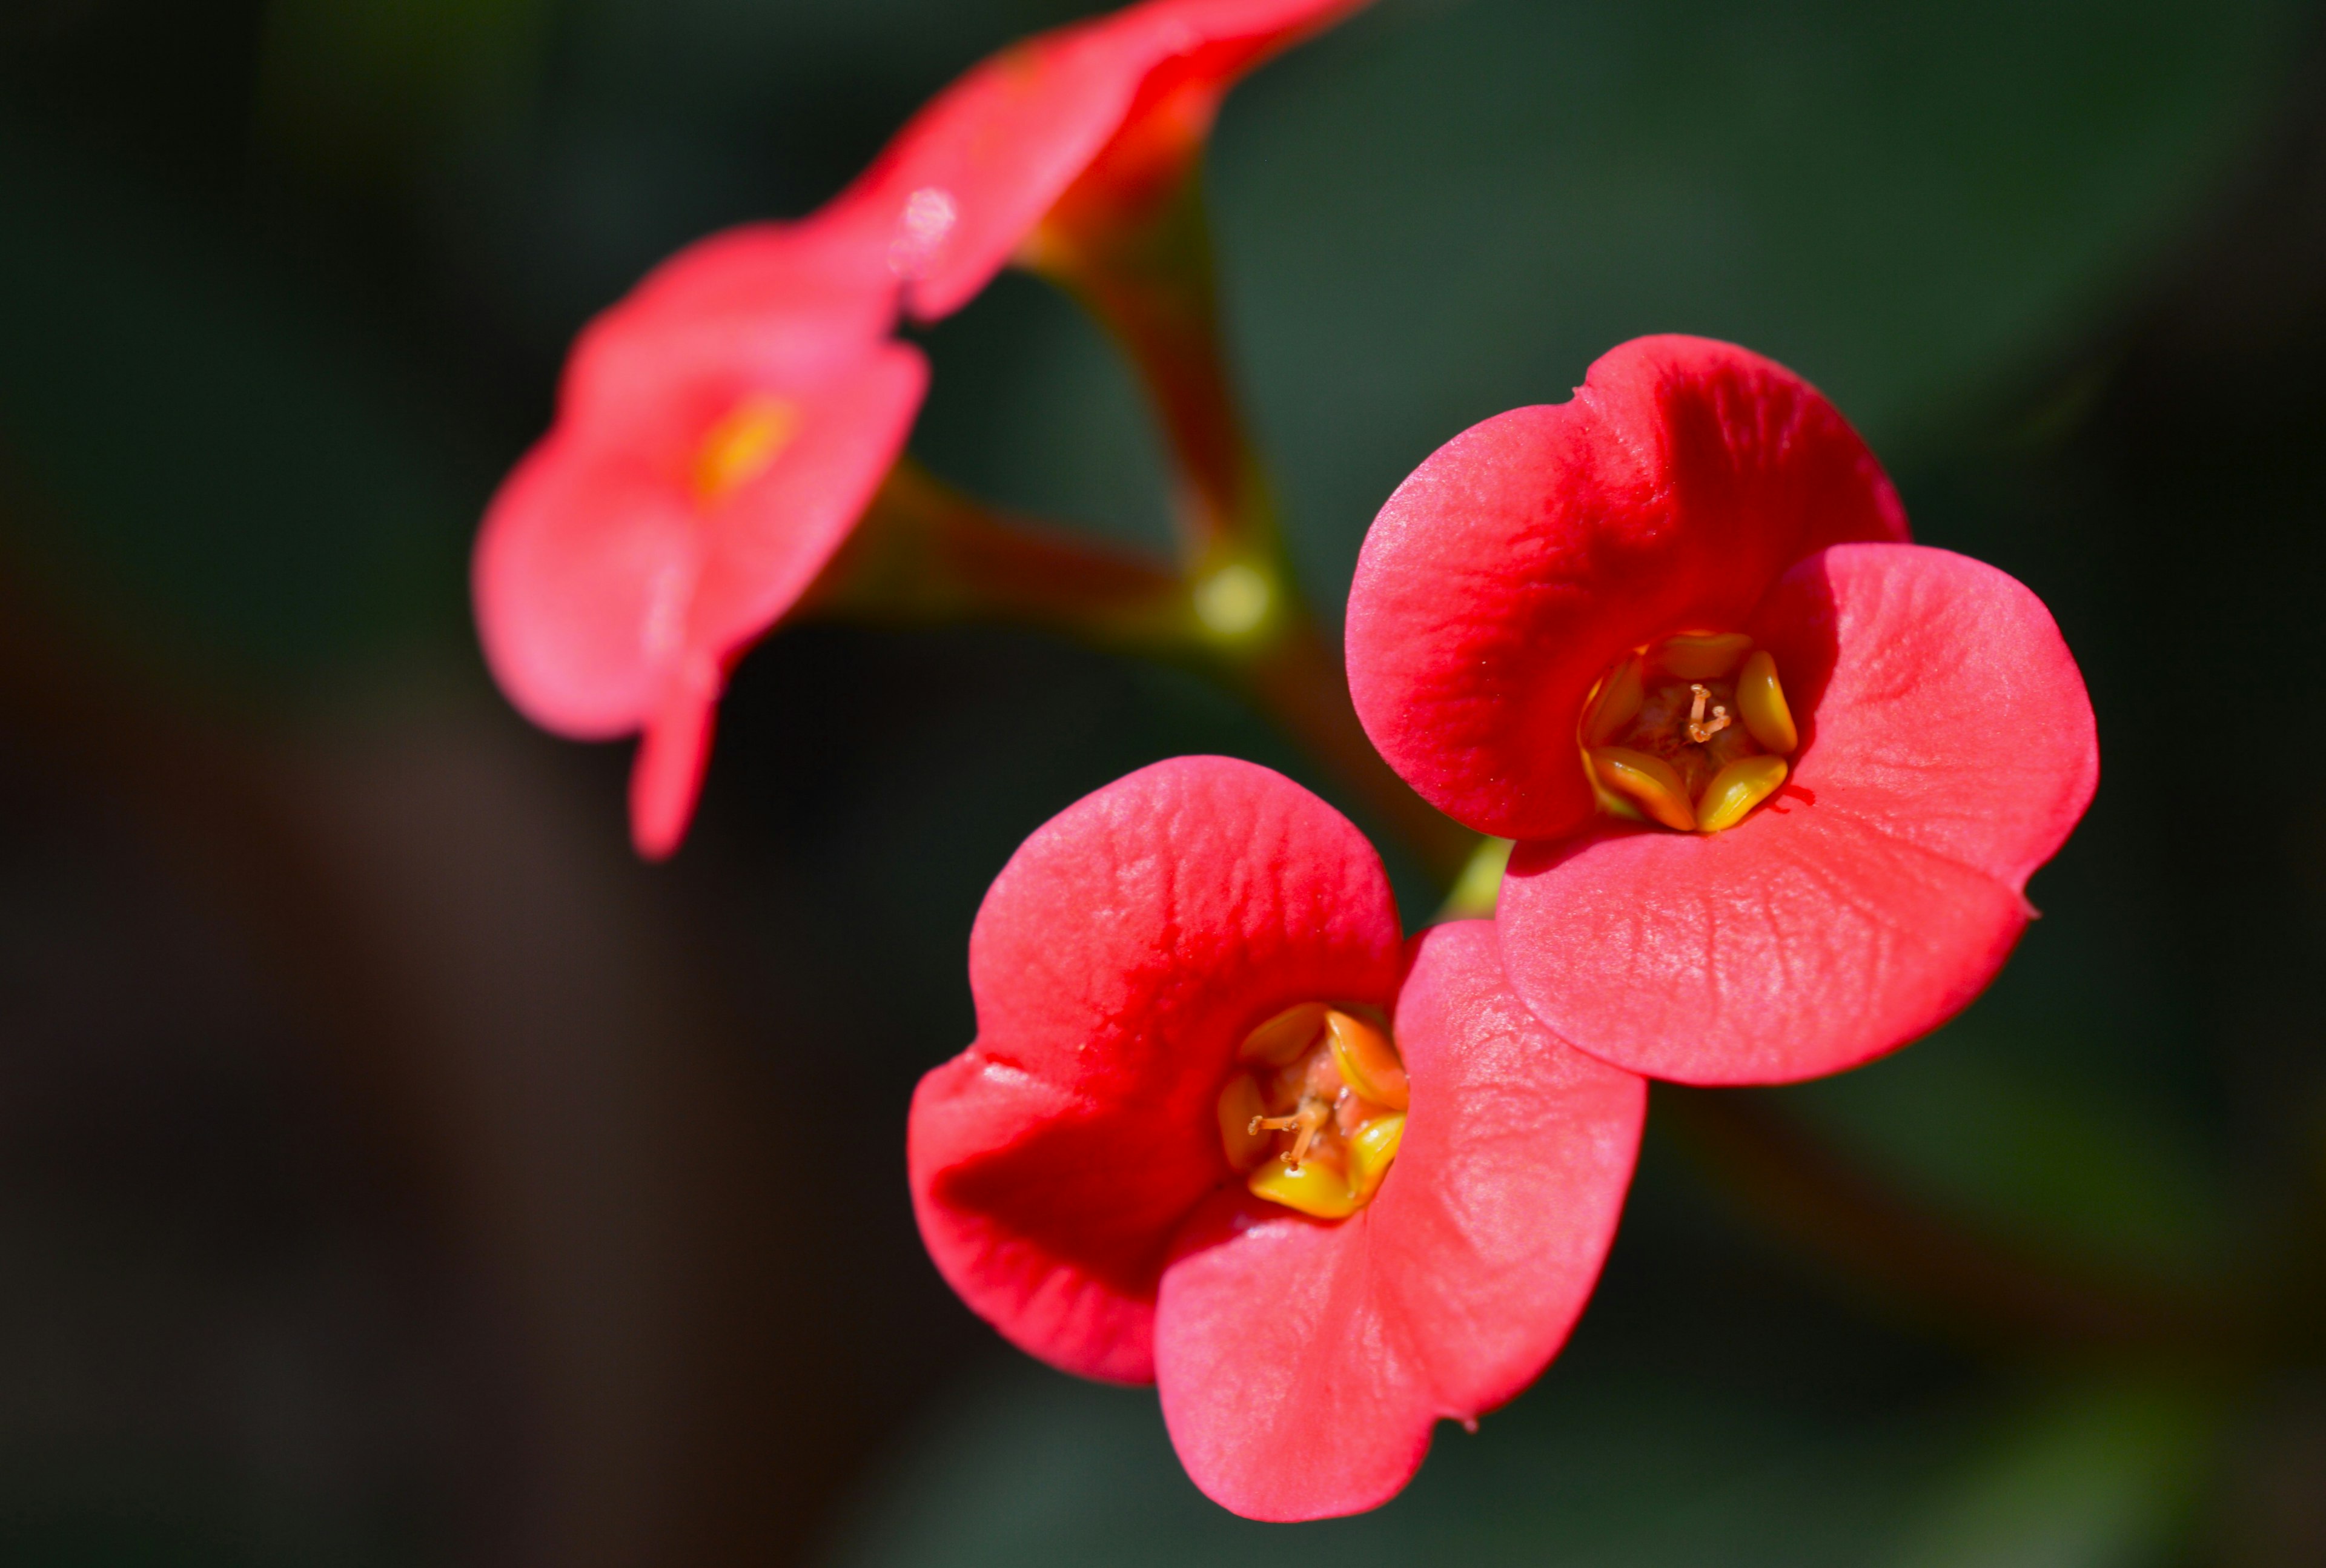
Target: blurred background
394,1172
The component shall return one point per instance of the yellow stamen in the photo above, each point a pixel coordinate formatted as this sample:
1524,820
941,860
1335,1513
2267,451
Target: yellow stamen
1650,781
1736,789
1368,1062
742,446
1698,656
1286,1037
1331,1077
1371,1151
1317,1189
1240,1110
1762,700
1617,703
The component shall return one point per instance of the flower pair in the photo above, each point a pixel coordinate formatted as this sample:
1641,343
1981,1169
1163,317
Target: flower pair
721,432
1778,778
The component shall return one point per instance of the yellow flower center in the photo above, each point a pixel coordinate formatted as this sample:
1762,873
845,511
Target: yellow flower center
1316,1110
742,446
1691,731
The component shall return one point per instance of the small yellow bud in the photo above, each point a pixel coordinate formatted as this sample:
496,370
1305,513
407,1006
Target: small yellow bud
1234,602
1371,1151
1368,1063
1736,789
1283,1038
1763,703
1698,656
1616,704
1647,780
1315,1187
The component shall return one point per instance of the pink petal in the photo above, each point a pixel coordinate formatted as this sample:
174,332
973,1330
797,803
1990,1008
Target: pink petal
765,546
1949,751
666,777
971,175
582,575
1303,1365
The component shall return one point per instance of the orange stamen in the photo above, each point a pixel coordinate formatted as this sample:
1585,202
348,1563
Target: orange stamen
1691,731
1700,730
1325,1088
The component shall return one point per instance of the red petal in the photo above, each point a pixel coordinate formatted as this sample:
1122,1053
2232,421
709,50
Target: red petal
814,271
778,308
582,575
1117,962
1949,751
1525,555
666,777
1303,1365
967,179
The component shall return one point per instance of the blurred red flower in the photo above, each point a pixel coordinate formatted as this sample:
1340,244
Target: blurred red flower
719,431
1684,601
1090,124
1158,966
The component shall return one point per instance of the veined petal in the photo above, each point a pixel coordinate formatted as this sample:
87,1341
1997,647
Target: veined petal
1117,963
1528,554
1948,750
1303,1366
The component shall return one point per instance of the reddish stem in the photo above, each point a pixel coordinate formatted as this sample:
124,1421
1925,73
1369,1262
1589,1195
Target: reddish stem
1148,278
926,553
1296,678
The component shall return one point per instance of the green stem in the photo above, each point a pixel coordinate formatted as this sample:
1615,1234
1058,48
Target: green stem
928,554
1152,284
925,554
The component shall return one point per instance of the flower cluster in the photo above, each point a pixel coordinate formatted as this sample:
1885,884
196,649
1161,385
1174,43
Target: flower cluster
1777,778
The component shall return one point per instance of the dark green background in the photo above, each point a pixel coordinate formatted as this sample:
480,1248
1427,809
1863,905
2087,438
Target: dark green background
391,1171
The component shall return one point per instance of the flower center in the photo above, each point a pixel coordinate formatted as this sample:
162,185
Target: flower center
1691,731
1315,1112
742,446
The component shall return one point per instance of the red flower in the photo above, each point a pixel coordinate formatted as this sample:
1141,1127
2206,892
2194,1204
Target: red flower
1158,967
718,434
1884,740
1087,122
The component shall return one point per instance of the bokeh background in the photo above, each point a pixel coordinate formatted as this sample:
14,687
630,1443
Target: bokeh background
394,1172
